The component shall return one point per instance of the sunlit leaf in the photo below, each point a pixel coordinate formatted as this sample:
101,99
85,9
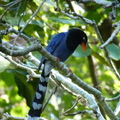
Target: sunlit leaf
114,51
63,20
100,58
80,53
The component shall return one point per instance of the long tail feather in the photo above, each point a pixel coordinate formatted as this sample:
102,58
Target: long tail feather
36,108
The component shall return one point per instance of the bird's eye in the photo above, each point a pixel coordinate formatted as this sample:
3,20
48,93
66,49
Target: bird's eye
83,38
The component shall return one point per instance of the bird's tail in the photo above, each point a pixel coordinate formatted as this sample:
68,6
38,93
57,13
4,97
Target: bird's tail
36,108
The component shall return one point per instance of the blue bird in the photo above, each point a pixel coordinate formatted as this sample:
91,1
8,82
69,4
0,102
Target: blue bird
61,46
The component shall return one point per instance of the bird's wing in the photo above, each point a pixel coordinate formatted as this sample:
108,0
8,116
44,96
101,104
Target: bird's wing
53,45
55,42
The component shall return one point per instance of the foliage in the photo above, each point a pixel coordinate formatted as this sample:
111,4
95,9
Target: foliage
16,94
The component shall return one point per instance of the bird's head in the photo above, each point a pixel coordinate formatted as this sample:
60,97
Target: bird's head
78,37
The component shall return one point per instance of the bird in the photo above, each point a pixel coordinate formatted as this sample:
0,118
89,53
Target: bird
61,46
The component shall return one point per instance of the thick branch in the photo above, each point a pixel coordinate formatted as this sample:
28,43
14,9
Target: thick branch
93,73
21,52
79,91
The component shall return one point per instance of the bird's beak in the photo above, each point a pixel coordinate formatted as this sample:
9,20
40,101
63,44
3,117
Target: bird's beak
83,46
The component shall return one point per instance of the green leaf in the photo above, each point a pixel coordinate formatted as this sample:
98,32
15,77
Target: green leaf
25,89
9,89
8,79
4,64
80,53
114,51
13,21
22,7
100,58
38,23
63,20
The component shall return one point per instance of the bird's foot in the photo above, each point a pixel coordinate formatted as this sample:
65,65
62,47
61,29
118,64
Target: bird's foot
70,72
58,59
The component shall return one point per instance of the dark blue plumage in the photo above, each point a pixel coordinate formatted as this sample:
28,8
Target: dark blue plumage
61,46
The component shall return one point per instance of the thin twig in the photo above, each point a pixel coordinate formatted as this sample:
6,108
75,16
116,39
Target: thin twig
45,22
117,109
79,112
46,102
35,13
10,29
59,84
112,4
112,99
29,70
71,107
112,66
112,36
38,9
16,2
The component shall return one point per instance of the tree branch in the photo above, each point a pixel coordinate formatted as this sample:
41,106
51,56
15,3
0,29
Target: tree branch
14,3
76,89
101,2
34,14
117,110
112,36
112,99
35,46
7,117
